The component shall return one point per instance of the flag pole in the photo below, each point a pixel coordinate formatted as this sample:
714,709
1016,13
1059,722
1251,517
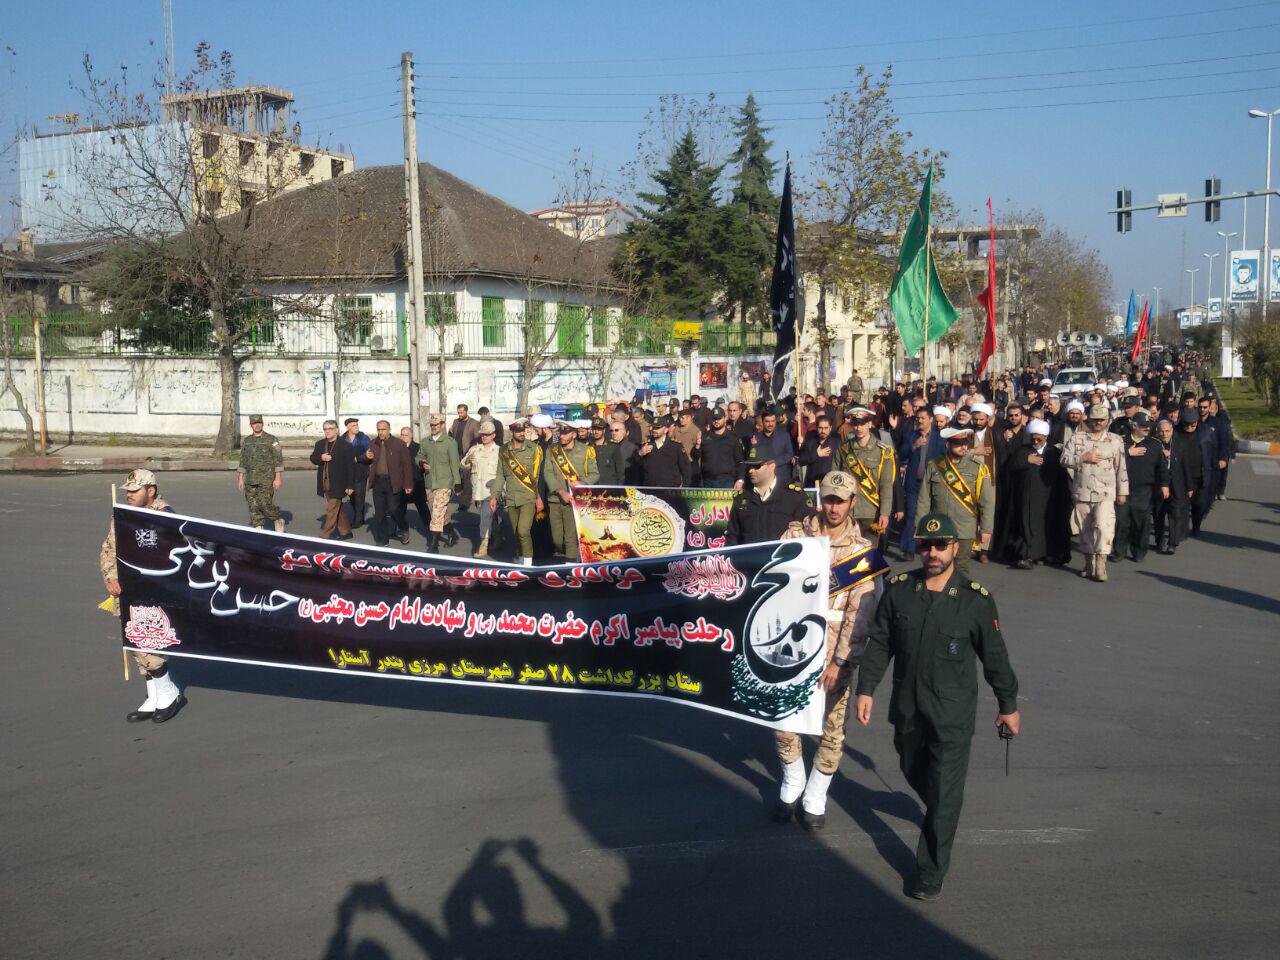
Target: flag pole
928,290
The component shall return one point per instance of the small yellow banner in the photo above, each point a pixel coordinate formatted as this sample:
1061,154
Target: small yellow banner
109,605
686,330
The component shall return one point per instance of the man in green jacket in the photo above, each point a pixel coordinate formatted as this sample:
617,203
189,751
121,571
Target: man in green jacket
519,467
934,624
438,457
568,464
260,473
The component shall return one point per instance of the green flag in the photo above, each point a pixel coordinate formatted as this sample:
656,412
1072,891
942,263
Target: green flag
920,307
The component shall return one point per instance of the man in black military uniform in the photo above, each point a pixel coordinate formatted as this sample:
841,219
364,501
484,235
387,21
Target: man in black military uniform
721,455
663,462
765,509
1148,473
933,623
1122,425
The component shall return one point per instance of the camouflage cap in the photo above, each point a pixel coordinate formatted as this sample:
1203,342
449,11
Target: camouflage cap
255,418
837,483
487,427
1099,411
139,479
936,526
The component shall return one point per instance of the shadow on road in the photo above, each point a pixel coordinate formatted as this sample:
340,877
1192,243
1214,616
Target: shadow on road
1237,542
1245,598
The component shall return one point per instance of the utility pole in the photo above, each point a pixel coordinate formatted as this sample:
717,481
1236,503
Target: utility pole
413,248
1228,355
40,407
1155,327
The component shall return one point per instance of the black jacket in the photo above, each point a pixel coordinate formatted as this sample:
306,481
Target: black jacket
1186,465
721,457
818,466
752,520
1148,469
342,468
618,464
666,466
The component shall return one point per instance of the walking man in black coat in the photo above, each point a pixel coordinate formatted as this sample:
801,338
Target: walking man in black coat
335,460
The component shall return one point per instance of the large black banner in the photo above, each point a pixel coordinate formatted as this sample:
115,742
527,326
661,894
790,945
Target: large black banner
740,631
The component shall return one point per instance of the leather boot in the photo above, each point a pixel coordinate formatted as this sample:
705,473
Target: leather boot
483,549
279,525
433,542
450,535
1087,572
1100,568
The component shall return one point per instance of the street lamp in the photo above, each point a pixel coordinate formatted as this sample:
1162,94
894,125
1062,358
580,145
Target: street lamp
1266,209
1226,259
1155,327
1193,271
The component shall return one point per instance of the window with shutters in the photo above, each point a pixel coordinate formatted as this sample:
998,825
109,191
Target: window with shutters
535,324
599,328
571,330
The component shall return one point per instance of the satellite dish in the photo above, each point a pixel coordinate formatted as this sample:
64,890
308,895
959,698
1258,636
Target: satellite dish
1063,338
1077,339
1093,339
376,342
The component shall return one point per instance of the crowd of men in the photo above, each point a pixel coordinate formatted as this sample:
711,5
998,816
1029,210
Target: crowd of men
1112,468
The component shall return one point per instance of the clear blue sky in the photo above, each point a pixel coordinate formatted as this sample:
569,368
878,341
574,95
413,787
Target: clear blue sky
571,62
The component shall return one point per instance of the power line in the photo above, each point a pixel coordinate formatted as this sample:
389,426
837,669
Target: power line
446,129
1027,106
827,87
502,133
877,44
919,96
1198,34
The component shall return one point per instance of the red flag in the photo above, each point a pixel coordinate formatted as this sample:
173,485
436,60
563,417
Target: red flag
987,298
1142,332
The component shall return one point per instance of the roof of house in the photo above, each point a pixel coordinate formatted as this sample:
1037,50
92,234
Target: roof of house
353,226
23,268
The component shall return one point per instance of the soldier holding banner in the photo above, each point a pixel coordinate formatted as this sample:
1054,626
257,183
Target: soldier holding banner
856,565
873,466
519,468
568,464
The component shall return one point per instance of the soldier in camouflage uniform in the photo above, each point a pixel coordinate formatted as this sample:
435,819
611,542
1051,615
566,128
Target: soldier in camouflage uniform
959,485
260,473
519,469
438,458
568,464
874,467
164,699
1094,460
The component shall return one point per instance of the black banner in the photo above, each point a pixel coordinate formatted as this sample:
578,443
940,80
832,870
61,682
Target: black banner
740,631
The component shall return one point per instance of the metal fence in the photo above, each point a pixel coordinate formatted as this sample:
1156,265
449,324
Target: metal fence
568,332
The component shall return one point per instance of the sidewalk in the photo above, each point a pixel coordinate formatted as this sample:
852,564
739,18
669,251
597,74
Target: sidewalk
87,458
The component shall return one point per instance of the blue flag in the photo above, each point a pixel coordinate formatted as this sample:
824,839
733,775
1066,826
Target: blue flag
1129,317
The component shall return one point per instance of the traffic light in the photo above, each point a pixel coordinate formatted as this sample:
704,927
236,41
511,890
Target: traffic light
1124,219
1212,208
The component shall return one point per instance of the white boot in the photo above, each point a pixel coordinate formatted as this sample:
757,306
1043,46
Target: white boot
168,697
148,708
526,561
815,793
792,781
813,806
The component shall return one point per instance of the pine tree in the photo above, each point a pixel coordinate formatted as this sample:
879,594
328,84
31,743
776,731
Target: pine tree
673,255
753,210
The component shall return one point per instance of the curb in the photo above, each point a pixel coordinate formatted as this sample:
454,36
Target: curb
125,464
1261,447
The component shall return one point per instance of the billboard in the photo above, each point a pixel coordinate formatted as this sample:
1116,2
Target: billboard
1275,276
1244,276
1215,309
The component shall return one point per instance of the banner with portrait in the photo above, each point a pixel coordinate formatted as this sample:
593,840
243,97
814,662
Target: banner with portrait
738,631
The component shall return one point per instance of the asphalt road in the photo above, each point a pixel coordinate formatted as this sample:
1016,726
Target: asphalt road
292,815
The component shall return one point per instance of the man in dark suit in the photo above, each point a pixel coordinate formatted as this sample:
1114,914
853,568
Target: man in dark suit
335,460
663,462
618,458
390,477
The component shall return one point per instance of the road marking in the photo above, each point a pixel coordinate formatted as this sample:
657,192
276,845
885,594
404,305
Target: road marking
797,842
1266,468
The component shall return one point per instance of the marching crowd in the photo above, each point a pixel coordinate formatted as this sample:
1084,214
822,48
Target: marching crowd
1115,466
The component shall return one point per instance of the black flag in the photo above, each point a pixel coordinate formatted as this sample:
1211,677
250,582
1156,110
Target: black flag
786,302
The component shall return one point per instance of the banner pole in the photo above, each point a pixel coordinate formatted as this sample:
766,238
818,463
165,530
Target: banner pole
124,654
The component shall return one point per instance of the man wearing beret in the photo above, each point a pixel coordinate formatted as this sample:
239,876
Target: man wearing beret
934,624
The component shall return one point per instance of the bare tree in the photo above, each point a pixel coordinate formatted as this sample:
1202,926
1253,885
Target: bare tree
188,210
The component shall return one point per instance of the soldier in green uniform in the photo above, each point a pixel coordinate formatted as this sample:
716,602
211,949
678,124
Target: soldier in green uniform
933,623
874,467
260,473
960,486
568,464
519,467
